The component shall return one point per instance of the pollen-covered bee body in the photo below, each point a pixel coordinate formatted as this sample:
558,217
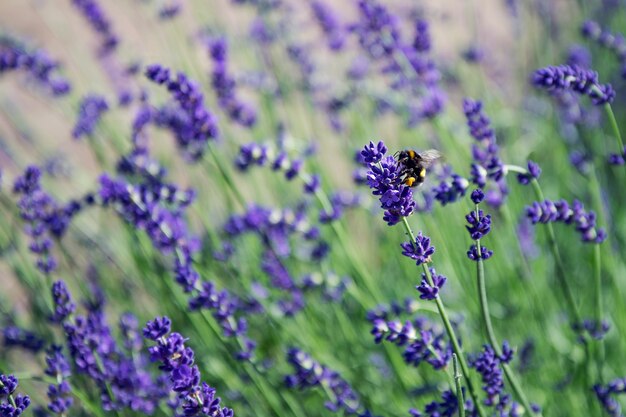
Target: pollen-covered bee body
414,165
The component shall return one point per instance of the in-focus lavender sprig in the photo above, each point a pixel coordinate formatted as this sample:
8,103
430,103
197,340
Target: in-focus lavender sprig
385,179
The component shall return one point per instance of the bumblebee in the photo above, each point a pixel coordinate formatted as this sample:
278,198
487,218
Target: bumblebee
414,165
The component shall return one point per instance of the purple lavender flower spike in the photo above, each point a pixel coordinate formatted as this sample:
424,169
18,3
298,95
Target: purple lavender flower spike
224,85
584,222
191,122
420,250
59,369
177,362
309,373
330,24
571,78
428,292
37,64
91,109
100,23
533,173
17,337
12,405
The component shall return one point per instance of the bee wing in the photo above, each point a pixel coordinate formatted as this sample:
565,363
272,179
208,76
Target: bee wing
429,157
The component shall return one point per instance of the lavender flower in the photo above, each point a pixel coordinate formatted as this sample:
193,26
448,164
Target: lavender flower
420,250
377,30
606,395
428,292
224,85
571,78
37,64
91,109
533,173
618,159
487,164
17,337
11,405
170,10
59,369
488,365
385,179
177,361
423,341
330,24
191,122
447,407
309,374
560,211
99,22
614,42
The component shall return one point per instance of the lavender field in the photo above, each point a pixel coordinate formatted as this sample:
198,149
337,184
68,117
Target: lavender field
306,208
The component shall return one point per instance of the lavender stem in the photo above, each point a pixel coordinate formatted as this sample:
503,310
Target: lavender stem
491,335
457,383
449,329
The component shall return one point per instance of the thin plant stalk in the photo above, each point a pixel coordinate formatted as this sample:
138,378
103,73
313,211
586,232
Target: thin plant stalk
457,384
449,329
491,335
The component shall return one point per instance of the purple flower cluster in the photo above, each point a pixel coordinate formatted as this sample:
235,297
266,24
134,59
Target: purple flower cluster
420,250
45,219
91,109
479,226
534,171
452,187
487,164
424,342
309,373
262,155
99,22
158,209
195,398
170,10
190,121
488,364
14,336
384,177
618,159
11,405
378,30
572,78
59,369
613,42
224,85
447,407
330,24
118,373
606,395
560,211
37,64
428,292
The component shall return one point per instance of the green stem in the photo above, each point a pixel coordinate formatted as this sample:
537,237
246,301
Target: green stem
560,268
609,112
484,306
597,274
457,383
449,329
